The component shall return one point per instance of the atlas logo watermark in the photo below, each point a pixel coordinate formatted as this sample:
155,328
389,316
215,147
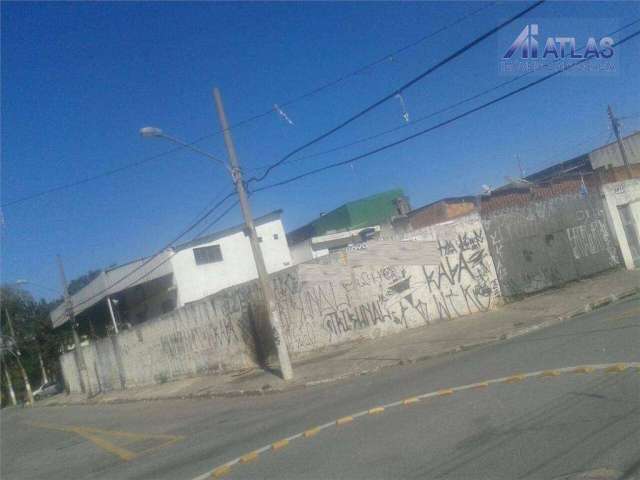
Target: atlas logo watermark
530,52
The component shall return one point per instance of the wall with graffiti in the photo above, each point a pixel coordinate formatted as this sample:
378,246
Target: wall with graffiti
547,236
435,274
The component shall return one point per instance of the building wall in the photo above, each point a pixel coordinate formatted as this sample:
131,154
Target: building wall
547,237
626,192
237,266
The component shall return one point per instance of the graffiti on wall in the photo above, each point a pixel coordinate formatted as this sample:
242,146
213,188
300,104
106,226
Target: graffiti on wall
317,309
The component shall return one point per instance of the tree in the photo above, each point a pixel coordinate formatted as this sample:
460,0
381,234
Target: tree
33,333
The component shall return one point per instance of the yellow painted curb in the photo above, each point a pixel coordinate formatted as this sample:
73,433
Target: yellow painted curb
582,370
376,410
446,391
620,367
409,401
550,373
311,432
249,457
514,379
344,420
221,471
280,444
481,385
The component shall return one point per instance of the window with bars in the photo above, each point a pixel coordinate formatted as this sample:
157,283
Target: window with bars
210,254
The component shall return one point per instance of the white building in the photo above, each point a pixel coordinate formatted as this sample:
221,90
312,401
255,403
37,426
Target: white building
146,288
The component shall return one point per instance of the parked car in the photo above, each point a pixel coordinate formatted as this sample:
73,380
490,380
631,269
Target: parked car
46,389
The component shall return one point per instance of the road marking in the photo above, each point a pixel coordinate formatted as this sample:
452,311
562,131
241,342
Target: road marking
280,444
311,432
344,420
221,471
619,367
95,436
515,378
249,457
444,392
609,367
582,370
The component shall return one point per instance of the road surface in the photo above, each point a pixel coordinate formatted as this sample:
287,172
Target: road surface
552,424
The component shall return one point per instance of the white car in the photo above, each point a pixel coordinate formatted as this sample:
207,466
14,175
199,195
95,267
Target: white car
45,390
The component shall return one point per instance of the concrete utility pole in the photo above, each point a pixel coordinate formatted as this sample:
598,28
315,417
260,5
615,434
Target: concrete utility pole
23,372
615,124
12,393
72,319
263,276
45,377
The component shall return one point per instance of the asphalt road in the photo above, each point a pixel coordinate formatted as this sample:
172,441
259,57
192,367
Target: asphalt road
547,427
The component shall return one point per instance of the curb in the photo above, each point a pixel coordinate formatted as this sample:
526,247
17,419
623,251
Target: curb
599,303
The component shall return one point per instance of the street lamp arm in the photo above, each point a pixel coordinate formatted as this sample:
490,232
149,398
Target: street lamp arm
156,132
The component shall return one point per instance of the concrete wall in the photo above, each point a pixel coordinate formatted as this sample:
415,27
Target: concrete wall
547,237
346,299
617,194
199,338
382,287
237,266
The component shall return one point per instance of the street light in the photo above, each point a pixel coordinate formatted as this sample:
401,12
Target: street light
155,132
273,315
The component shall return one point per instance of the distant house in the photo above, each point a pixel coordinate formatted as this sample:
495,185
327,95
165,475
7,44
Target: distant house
441,211
350,223
137,291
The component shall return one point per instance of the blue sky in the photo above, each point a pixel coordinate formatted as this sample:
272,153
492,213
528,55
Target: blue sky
80,79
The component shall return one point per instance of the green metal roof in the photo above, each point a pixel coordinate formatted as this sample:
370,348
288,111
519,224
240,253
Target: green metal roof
365,212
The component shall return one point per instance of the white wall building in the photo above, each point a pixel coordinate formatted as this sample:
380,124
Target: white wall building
623,209
147,288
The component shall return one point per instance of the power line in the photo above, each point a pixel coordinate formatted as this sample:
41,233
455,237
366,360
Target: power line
191,227
439,125
437,112
398,90
252,118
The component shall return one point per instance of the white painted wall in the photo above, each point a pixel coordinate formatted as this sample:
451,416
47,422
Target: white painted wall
622,193
237,266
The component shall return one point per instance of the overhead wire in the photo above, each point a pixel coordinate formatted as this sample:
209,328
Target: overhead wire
434,127
250,119
437,112
398,90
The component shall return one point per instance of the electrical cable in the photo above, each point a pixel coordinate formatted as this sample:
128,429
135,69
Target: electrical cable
398,90
437,112
434,127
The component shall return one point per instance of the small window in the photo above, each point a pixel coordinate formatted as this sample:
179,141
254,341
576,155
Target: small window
259,239
275,236
211,254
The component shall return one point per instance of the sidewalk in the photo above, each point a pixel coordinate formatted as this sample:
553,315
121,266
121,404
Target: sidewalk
409,346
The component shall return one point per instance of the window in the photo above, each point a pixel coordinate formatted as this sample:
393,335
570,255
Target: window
275,236
210,254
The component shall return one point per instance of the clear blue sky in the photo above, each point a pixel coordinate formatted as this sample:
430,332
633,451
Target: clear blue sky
80,79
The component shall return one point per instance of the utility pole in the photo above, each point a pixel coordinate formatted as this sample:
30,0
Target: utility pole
615,124
45,377
23,372
12,393
72,319
263,277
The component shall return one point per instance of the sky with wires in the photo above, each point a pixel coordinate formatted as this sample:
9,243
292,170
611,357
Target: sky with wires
80,79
